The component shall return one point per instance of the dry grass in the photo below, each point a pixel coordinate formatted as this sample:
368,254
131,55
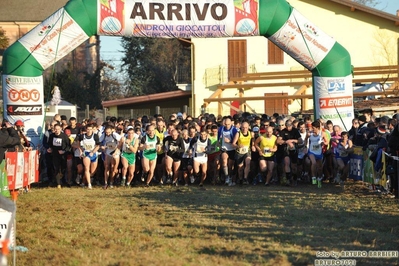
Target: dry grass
213,225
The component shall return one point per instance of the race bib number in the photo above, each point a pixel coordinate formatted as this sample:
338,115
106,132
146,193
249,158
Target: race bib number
200,149
111,145
150,146
57,142
267,152
342,152
172,148
243,150
316,148
88,147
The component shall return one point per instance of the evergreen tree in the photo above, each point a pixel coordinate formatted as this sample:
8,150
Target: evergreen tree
153,64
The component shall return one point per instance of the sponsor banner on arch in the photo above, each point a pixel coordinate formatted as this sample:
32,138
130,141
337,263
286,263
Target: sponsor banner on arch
23,100
303,40
54,38
178,19
334,100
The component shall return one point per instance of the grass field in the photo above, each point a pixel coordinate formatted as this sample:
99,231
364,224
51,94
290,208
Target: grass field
213,225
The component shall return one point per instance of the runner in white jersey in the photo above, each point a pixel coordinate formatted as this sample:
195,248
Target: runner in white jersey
317,138
90,144
109,145
199,147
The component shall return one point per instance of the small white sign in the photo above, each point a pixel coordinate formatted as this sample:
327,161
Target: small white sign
5,218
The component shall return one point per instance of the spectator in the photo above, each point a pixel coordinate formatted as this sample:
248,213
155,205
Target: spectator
8,138
25,144
361,135
353,131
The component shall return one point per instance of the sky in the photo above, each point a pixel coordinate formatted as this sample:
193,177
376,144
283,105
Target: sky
389,6
111,49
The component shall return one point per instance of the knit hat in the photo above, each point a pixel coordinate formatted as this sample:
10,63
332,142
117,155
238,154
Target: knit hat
362,118
381,130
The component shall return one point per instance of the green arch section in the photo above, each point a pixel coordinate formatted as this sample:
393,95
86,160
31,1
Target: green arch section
84,12
19,62
272,16
337,63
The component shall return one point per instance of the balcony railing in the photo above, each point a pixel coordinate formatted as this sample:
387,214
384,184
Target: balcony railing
222,74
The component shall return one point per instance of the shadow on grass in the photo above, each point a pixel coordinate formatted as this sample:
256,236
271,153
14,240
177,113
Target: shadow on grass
307,218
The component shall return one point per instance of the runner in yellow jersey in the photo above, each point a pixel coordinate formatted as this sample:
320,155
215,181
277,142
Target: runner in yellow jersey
266,146
161,133
243,140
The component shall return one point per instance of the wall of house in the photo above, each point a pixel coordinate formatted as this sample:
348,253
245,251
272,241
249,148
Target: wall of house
211,64
365,36
15,30
371,41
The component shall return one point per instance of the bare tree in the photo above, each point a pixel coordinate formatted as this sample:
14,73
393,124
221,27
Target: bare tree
384,48
370,3
4,40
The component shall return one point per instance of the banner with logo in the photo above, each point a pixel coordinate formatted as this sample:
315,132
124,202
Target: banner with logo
277,20
23,100
334,100
54,38
303,40
179,19
22,168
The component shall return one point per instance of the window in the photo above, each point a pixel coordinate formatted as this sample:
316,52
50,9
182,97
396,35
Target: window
276,106
237,58
275,54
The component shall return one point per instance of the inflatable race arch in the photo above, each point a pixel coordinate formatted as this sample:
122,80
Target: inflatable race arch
71,25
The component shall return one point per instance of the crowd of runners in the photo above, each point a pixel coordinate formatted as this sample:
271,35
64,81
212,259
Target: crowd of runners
182,150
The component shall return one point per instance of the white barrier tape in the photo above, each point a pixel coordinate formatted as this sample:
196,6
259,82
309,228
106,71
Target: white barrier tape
396,158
